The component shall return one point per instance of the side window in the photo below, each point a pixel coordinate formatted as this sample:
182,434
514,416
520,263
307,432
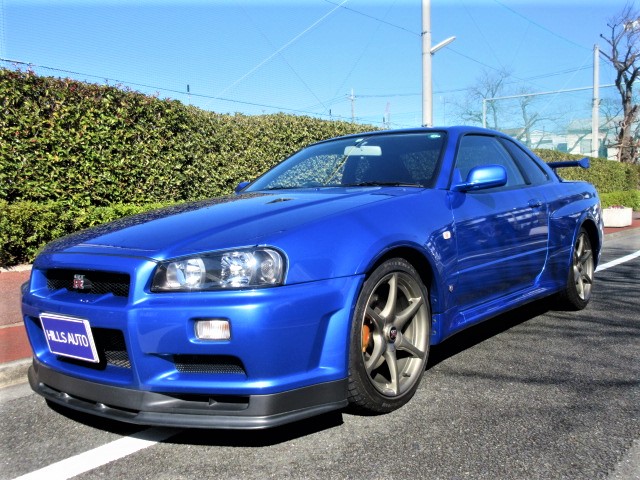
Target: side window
475,150
534,172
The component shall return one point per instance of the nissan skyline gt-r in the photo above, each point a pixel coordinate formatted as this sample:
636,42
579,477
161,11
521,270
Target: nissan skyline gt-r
319,285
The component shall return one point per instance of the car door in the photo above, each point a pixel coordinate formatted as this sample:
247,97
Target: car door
501,233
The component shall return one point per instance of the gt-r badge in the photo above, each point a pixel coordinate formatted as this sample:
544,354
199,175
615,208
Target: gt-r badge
78,282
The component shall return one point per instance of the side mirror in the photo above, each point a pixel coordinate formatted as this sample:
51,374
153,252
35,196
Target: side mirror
482,177
241,186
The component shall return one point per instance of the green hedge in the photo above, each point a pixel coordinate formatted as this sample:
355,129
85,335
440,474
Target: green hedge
86,144
626,199
25,227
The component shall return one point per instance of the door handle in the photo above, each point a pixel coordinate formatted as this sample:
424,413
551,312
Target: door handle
535,203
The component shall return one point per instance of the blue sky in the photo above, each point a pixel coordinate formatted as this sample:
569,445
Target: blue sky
306,56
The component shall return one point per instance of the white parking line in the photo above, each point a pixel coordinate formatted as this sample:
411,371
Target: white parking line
618,261
70,467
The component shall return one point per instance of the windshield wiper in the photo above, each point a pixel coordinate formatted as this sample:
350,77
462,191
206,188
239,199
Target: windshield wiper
382,184
283,187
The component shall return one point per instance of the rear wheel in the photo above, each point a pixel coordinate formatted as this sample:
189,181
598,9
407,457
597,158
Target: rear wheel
389,338
577,293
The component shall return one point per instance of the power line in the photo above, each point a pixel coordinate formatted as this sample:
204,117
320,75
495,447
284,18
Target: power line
364,50
542,27
283,58
489,46
399,27
457,90
285,46
170,90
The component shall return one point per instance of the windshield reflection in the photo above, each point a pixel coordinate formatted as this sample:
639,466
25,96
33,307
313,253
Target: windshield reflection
398,159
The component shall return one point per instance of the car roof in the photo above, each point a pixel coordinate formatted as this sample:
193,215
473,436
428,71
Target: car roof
455,131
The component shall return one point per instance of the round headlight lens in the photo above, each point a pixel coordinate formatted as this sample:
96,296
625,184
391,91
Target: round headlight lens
270,268
189,273
237,269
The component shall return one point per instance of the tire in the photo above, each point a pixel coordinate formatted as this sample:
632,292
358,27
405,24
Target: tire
390,336
577,292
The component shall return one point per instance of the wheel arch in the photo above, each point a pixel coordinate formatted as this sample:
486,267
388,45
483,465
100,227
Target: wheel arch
594,237
423,266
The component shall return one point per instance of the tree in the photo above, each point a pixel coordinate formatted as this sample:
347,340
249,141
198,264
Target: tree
624,54
488,85
529,120
512,107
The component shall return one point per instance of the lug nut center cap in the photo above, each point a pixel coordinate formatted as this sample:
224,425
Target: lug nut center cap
392,334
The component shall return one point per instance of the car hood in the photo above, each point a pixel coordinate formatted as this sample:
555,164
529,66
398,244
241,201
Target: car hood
215,224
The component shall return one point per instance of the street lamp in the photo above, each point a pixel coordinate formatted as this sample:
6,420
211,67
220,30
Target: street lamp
427,53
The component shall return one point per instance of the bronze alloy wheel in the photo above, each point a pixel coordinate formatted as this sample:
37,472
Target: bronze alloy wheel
390,338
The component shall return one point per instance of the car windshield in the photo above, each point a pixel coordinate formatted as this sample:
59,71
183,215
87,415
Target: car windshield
399,159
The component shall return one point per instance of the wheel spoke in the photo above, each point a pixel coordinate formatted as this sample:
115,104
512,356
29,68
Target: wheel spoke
376,318
579,246
585,257
392,363
375,359
580,286
409,347
390,306
576,274
408,313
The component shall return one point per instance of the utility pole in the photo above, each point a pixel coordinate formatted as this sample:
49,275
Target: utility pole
387,116
595,111
427,53
352,97
427,86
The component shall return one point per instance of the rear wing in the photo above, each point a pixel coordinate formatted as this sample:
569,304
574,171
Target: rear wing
582,163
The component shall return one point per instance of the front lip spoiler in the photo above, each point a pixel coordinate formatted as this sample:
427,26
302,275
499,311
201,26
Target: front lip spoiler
167,410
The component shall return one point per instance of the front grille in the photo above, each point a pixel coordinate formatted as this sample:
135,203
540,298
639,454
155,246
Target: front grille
222,364
110,347
88,281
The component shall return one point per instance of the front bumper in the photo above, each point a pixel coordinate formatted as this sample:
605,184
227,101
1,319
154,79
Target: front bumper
189,411
286,359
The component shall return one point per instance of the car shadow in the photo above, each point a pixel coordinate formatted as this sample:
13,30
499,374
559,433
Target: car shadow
476,334
94,421
259,438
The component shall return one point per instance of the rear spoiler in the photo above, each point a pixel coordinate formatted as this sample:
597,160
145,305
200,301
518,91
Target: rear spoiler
582,163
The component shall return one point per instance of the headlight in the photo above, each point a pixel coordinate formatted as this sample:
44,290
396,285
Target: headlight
242,268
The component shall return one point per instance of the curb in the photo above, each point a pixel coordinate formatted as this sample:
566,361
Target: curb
13,373
621,233
17,268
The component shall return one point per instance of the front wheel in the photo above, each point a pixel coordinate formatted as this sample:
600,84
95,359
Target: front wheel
577,293
389,338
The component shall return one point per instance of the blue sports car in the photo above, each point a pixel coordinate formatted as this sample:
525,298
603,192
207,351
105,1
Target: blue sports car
319,285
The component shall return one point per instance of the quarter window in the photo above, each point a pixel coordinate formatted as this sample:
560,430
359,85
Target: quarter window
531,169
